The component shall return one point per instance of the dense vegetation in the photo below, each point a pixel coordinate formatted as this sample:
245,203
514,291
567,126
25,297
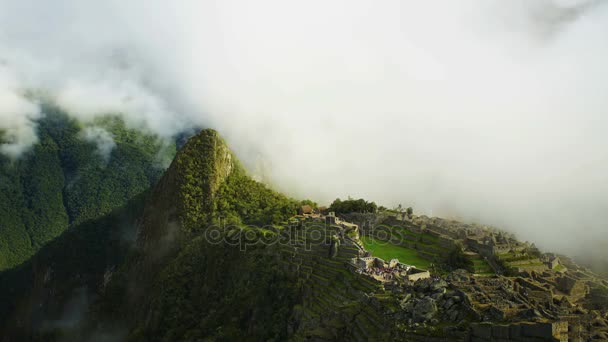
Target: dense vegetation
78,259
241,199
212,187
353,206
200,289
64,180
217,292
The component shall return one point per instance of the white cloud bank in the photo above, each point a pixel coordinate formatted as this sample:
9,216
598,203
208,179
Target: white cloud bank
493,111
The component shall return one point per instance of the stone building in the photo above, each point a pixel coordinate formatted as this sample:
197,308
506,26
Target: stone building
366,262
414,274
572,287
552,262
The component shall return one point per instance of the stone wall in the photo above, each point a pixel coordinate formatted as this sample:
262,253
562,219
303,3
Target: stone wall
534,291
553,331
418,274
576,289
447,243
479,247
500,249
445,231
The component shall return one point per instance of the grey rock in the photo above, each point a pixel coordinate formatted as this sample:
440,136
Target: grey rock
459,275
408,307
437,296
406,298
439,285
454,315
493,314
425,309
449,303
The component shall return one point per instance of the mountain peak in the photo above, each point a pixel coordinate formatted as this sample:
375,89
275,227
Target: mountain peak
182,202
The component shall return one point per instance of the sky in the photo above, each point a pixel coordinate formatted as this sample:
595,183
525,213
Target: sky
492,112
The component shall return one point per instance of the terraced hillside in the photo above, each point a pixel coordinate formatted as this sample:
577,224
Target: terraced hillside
480,266
336,303
525,262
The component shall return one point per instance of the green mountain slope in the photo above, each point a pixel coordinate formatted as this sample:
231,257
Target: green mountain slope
64,180
206,265
208,254
171,269
40,297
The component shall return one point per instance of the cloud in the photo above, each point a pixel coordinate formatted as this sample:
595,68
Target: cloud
493,111
17,116
103,139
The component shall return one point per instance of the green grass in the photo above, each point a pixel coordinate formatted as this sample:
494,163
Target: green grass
512,257
389,251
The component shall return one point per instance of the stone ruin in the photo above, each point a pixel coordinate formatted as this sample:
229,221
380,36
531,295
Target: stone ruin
391,271
549,301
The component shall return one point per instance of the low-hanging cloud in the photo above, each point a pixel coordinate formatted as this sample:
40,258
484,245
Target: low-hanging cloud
17,117
490,111
102,139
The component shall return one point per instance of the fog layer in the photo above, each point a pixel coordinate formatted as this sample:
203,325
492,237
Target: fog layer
492,111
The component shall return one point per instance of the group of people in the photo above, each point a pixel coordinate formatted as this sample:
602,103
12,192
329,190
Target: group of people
382,272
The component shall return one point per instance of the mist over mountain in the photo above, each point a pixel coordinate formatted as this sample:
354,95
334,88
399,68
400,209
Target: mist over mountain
490,112
75,173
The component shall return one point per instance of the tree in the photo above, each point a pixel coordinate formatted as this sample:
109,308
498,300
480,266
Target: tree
311,203
409,212
353,206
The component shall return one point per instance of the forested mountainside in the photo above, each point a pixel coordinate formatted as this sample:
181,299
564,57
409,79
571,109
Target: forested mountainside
210,254
75,173
171,277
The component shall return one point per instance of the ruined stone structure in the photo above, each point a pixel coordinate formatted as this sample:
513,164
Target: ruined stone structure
383,271
544,301
575,289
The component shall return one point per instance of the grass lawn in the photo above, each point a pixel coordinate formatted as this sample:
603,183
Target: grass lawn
389,251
